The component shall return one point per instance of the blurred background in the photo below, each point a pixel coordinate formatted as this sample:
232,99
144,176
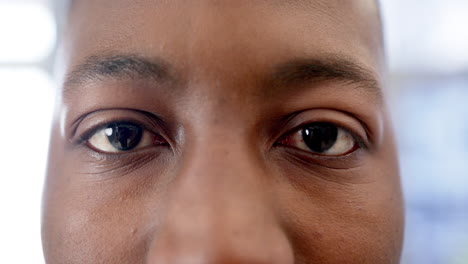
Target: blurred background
427,42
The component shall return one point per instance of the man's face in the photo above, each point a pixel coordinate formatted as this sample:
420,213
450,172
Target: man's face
221,131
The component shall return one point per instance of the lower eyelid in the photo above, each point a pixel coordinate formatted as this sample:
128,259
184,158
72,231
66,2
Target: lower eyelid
103,166
314,162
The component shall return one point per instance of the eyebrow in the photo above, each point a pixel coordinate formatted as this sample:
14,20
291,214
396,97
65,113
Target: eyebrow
99,68
304,71
284,78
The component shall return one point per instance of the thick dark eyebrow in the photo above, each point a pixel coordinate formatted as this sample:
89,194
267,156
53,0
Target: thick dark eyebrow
285,77
305,71
99,68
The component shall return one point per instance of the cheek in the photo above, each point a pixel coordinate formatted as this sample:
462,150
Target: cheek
345,223
88,228
77,231
107,221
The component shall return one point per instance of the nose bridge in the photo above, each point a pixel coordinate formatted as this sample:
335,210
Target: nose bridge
218,186
218,210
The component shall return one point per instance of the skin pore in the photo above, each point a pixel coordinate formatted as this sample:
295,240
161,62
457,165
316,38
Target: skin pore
221,131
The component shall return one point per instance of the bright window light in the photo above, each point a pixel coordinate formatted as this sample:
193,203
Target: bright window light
27,32
450,37
426,35
25,114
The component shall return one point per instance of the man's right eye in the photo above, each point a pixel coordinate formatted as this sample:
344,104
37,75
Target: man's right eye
123,137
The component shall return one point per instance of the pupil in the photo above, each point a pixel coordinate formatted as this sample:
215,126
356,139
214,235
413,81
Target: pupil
124,136
320,137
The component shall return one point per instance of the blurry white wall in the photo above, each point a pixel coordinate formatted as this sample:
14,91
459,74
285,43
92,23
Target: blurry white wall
427,43
427,36
27,39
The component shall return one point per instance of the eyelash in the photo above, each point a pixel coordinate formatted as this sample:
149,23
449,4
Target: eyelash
89,133
360,142
86,136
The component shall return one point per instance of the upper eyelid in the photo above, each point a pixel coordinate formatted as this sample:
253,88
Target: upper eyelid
347,121
90,132
359,140
153,120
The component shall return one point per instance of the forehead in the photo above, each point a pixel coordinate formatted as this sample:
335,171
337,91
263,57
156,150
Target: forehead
251,33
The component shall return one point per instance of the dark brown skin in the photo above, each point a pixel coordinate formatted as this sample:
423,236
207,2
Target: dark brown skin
221,87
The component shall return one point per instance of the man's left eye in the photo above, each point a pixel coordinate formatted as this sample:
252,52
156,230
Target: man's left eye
322,139
123,137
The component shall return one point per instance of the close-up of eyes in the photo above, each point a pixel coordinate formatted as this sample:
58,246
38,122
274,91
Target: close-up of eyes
322,139
123,137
